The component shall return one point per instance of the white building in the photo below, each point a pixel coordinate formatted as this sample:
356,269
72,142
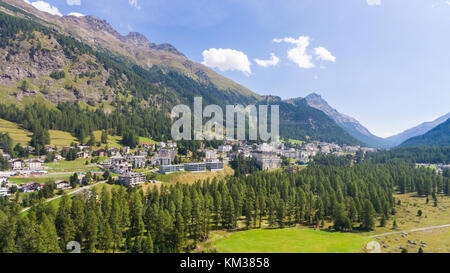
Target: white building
131,179
224,149
17,164
35,164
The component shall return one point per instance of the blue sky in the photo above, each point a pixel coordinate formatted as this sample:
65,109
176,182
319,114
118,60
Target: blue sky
384,62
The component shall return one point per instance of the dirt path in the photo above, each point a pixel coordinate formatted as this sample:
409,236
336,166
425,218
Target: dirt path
411,230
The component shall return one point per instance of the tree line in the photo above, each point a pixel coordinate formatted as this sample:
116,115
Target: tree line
175,218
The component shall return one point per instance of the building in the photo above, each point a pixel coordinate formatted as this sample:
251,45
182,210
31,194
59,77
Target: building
195,167
83,154
171,144
267,160
170,153
30,187
138,161
17,164
163,161
114,152
6,157
35,164
166,169
131,179
126,150
3,191
4,180
101,152
62,185
215,166
224,149
210,154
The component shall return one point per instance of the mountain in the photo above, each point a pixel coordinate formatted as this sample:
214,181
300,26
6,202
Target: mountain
438,136
83,61
349,124
418,130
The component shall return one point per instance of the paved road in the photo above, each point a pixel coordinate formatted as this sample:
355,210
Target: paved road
408,231
69,193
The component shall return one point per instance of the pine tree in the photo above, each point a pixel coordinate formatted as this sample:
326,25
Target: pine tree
91,230
136,211
64,225
147,244
368,216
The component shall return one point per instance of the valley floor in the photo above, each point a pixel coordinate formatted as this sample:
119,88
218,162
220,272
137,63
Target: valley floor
433,234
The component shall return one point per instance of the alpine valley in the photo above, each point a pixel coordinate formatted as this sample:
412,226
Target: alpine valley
82,66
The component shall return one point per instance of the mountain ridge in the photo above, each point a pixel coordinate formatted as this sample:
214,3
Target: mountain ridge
438,136
82,61
417,130
349,124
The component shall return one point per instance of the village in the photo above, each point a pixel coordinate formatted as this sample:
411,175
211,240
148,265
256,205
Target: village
131,167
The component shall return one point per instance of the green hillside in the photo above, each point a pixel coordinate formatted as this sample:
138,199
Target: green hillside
85,90
439,136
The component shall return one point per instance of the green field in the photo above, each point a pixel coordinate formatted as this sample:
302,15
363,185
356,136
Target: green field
113,141
192,177
39,179
60,138
290,241
146,140
22,136
17,134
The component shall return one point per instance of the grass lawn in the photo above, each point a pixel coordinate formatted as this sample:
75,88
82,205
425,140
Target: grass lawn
17,134
292,240
146,140
437,240
71,166
39,179
60,138
113,141
299,142
190,177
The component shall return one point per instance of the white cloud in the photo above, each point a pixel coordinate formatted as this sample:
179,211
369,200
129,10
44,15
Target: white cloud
324,55
46,7
298,54
134,3
373,2
73,2
76,14
274,60
227,59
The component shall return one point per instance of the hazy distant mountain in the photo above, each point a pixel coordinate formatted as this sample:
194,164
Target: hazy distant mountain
438,136
418,130
349,124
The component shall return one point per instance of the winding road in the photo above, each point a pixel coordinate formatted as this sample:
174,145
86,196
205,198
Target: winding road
69,193
408,231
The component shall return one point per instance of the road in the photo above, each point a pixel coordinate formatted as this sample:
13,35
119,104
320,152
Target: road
408,231
70,193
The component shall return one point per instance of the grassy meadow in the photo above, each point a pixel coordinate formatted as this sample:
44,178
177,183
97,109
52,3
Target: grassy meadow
291,240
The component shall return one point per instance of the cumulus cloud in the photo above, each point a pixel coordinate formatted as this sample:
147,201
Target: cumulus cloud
373,2
73,2
134,3
298,54
274,60
227,59
44,6
324,55
76,14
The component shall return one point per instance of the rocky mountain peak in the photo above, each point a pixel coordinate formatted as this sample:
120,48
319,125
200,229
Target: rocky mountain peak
138,40
97,24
